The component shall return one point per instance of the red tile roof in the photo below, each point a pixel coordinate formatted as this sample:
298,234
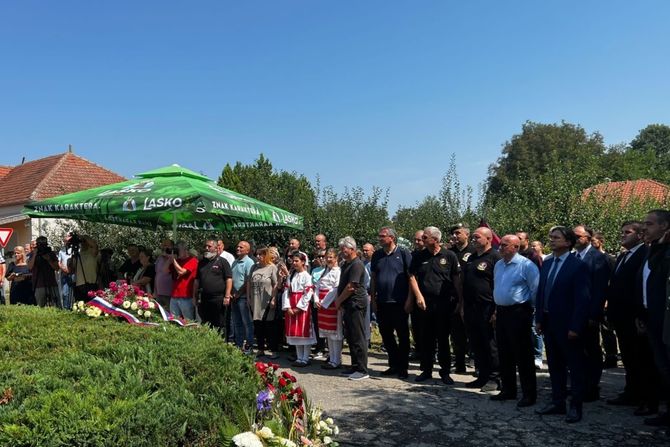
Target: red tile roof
643,189
4,170
52,176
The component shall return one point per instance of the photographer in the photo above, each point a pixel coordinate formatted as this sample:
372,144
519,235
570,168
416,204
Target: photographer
84,262
43,265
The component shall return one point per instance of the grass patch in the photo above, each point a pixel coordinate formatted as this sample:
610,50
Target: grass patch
68,380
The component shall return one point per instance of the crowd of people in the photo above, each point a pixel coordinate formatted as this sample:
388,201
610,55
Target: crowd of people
501,303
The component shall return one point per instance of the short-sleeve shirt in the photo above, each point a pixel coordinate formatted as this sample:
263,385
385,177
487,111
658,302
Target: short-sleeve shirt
478,277
354,272
464,254
212,275
241,269
391,273
434,273
183,285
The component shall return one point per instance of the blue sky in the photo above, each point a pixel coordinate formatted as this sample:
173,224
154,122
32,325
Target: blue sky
359,92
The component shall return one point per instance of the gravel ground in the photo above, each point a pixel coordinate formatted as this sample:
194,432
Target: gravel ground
384,411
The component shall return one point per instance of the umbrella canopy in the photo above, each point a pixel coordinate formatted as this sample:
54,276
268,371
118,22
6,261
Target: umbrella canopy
170,197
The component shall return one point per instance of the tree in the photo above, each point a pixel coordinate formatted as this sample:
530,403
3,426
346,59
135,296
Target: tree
286,190
529,153
352,213
654,140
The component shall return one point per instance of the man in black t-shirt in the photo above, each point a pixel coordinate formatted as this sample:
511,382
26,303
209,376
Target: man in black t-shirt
435,282
461,246
353,298
214,281
478,305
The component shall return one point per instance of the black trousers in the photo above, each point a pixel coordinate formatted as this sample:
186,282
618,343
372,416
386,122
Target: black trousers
459,340
594,358
212,312
393,320
641,375
434,328
563,355
480,332
515,348
354,332
266,334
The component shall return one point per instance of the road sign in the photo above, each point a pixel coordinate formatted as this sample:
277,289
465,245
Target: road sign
5,234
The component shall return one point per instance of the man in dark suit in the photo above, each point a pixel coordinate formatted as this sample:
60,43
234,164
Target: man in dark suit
622,295
562,313
599,269
655,271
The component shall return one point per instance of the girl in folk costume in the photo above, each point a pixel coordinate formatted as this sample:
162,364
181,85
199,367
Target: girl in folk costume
330,319
296,302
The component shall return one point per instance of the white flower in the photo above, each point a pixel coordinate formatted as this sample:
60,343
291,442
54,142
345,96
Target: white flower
152,306
126,304
330,421
147,314
286,442
265,433
336,430
323,425
247,439
132,306
140,312
80,304
327,440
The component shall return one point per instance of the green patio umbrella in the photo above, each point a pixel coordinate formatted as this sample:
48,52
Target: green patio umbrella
169,197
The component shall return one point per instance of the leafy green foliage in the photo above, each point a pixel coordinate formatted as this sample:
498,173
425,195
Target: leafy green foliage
77,382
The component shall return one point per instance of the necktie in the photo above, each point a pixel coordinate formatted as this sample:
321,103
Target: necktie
624,258
550,282
579,256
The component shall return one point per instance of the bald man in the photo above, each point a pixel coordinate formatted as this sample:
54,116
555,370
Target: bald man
478,306
516,280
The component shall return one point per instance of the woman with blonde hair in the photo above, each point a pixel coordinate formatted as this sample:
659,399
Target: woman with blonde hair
262,296
20,278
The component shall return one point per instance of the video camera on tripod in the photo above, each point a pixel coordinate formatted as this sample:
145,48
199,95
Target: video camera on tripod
74,242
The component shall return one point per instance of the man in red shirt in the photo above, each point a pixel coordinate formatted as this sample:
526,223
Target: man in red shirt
184,269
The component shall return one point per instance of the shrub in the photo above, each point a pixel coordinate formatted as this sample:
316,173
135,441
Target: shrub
69,380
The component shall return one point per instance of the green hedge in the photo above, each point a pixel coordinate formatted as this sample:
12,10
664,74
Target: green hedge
75,381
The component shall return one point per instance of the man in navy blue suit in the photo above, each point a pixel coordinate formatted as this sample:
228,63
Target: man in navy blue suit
599,268
562,313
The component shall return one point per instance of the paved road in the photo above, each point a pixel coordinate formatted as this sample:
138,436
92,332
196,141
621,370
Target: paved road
390,412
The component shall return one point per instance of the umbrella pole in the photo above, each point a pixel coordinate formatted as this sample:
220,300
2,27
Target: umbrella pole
174,227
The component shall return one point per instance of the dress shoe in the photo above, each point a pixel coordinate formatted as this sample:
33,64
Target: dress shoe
525,402
658,421
389,372
491,385
447,380
551,408
459,368
423,376
645,410
622,399
403,374
476,383
574,415
503,396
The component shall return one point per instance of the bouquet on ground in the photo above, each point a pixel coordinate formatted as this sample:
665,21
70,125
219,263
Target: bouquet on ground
122,300
284,415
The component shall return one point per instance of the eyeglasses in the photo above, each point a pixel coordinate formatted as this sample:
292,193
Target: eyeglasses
382,235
